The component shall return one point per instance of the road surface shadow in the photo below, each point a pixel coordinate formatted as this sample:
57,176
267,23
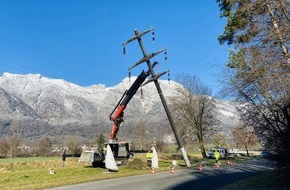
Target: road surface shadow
214,178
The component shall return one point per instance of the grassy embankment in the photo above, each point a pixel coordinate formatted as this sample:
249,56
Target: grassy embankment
34,173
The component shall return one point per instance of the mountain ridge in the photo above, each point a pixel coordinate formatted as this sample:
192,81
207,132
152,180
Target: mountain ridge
36,106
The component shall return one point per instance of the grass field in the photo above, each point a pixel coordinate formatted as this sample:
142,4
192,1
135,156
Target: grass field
34,173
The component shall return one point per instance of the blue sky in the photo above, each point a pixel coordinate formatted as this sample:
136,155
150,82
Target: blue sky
80,40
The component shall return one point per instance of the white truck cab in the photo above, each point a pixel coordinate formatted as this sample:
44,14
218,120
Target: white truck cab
223,152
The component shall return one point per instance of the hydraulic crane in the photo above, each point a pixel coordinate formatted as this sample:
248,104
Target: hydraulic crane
121,150
117,114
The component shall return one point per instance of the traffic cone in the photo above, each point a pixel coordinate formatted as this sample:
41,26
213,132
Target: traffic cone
153,170
172,170
200,168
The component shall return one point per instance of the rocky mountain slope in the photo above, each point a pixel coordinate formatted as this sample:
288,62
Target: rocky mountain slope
35,106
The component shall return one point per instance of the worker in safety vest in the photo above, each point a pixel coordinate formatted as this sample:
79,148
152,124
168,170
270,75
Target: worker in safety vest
217,156
149,156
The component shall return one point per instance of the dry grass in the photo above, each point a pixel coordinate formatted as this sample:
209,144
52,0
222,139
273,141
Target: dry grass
44,173
40,173
35,173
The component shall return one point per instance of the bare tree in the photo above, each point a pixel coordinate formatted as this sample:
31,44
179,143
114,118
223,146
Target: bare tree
13,144
160,145
140,135
44,146
192,108
245,136
101,141
73,144
219,140
3,148
185,134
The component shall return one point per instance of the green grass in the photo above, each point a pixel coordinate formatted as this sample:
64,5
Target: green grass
33,173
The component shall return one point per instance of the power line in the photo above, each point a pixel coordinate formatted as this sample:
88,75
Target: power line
11,67
24,66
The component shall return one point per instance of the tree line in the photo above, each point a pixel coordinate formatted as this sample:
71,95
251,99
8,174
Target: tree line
257,32
16,146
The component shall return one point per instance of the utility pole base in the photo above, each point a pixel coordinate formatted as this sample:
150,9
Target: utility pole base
186,160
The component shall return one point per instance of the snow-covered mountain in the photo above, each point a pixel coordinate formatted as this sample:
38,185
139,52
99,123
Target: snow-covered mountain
33,106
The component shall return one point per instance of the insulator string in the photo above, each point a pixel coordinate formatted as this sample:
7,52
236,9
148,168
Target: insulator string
124,50
165,53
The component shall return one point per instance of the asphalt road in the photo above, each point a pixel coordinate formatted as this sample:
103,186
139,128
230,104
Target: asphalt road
208,178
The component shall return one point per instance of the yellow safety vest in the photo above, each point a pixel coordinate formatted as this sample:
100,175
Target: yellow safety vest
216,155
149,155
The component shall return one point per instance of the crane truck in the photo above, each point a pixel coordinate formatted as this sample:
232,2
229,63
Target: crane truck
121,150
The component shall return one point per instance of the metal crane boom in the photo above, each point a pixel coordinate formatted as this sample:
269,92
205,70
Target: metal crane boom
117,114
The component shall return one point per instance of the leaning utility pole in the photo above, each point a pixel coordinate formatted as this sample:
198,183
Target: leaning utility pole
154,78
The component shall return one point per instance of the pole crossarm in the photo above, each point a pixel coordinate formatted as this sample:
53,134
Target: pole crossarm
147,58
139,35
